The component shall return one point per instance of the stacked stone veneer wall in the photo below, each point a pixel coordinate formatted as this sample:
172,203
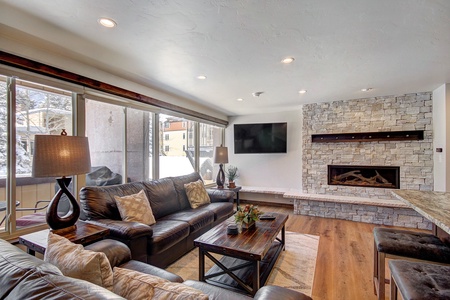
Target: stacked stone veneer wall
393,216
390,113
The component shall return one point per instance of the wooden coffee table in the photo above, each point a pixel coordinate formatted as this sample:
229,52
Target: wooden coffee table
247,258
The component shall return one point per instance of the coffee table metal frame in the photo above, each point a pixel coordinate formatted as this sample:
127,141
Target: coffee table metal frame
242,253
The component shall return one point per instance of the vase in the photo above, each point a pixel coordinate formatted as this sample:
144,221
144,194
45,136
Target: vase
231,185
248,225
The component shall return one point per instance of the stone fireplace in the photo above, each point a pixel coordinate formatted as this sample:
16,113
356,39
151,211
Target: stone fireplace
364,176
414,158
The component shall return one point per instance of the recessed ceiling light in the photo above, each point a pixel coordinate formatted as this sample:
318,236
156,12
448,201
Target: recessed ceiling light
239,99
201,77
287,60
302,91
107,22
366,90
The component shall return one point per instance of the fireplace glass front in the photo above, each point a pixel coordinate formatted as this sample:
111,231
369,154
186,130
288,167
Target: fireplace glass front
364,176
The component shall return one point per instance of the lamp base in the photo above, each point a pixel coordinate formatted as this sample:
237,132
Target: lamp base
53,219
220,180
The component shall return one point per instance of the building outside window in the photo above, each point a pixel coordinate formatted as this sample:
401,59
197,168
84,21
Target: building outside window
178,157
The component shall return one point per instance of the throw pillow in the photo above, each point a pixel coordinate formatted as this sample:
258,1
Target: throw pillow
73,261
135,208
196,193
136,285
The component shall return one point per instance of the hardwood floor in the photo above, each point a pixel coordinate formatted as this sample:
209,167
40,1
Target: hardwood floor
344,266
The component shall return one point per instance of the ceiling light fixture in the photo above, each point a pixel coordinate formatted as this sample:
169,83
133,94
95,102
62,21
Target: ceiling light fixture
288,60
366,90
239,99
257,94
107,22
201,77
302,91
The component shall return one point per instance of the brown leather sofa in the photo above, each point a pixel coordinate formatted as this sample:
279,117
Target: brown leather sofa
177,225
23,276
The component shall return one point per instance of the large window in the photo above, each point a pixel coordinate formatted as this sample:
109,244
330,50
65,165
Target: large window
139,145
210,137
105,129
128,142
38,109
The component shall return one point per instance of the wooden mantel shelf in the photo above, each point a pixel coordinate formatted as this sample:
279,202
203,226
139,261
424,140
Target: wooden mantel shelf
412,135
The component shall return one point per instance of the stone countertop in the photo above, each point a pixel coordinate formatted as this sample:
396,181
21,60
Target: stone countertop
435,206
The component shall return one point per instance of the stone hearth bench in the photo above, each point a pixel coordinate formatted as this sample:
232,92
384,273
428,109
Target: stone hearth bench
367,210
376,211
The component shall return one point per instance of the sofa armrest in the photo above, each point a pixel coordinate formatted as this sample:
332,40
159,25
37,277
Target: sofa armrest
278,292
221,195
116,252
151,270
124,230
215,292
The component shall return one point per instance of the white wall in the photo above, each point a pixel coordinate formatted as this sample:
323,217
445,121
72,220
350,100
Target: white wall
281,170
441,138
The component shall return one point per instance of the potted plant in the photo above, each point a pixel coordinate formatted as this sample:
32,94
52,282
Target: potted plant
232,174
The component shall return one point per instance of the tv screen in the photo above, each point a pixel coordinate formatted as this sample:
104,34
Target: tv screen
260,138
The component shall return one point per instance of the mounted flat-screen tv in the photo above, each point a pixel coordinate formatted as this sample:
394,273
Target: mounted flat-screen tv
260,138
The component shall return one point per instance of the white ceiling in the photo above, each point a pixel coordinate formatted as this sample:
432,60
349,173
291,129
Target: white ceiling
340,47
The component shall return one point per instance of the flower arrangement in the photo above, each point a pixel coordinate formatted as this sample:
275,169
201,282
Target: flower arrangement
247,214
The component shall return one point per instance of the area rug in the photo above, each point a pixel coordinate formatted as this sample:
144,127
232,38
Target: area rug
294,268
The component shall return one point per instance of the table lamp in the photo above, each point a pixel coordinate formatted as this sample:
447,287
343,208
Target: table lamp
61,155
221,157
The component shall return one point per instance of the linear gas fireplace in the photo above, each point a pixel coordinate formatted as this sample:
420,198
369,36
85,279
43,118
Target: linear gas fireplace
364,176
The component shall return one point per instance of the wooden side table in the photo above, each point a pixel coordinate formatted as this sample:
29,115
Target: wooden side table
84,234
236,190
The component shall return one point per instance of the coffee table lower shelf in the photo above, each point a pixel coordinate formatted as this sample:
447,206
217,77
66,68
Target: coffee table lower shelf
244,270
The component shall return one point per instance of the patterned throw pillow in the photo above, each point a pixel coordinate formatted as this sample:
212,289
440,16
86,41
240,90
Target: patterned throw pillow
73,261
196,193
136,285
135,208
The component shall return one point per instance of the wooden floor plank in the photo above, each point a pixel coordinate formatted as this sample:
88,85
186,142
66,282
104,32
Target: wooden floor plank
344,265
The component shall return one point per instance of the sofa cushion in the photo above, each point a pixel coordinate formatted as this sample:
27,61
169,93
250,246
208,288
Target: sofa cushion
196,218
98,201
135,208
179,182
39,286
196,193
75,262
221,210
15,265
162,196
166,233
135,285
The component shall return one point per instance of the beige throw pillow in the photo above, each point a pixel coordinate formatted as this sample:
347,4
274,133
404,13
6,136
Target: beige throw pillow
75,262
135,208
196,193
136,285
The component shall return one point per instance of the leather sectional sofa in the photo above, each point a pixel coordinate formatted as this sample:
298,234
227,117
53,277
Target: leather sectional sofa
177,225
23,276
